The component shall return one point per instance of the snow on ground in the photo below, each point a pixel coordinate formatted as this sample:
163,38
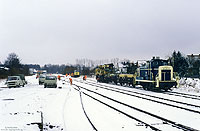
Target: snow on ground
191,85
27,108
106,119
171,113
2,83
23,108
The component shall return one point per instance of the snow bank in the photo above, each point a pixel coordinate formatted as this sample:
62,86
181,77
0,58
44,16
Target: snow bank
3,83
189,85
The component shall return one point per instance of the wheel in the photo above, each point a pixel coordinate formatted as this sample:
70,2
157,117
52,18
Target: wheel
149,88
144,86
166,89
45,86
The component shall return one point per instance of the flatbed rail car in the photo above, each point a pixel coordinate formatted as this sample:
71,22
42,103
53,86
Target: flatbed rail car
126,79
127,75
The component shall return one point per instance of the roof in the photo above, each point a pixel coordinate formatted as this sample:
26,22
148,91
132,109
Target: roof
5,68
195,56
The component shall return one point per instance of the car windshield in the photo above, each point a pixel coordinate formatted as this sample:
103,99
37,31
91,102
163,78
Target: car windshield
50,78
12,78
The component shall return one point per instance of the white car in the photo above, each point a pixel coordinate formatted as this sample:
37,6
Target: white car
14,81
50,81
41,79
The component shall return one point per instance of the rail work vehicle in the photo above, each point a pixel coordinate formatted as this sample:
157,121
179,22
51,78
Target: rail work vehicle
154,74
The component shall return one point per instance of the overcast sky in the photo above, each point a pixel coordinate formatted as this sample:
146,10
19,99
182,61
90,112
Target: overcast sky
61,31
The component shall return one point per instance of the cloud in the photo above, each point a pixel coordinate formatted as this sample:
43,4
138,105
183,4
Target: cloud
49,31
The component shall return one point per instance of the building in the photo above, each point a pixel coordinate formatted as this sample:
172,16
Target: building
194,67
194,56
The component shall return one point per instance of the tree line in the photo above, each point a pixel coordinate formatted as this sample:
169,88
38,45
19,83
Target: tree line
185,66
13,66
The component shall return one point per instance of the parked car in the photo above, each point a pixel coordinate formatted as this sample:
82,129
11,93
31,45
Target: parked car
14,81
50,81
22,78
41,79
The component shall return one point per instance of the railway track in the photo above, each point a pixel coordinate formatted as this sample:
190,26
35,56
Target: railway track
82,105
82,92
194,97
185,94
172,124
190,96
143,96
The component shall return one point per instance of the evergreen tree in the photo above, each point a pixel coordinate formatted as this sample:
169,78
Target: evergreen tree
13,62
179,63
194,67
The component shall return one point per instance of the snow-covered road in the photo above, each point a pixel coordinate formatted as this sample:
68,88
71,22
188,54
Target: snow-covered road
33,108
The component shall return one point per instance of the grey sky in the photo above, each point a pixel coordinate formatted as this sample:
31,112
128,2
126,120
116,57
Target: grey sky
60,31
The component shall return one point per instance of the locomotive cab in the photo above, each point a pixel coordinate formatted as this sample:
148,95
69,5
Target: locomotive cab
164,79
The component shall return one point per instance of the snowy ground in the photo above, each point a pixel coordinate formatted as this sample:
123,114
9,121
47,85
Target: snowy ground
33,107
189,85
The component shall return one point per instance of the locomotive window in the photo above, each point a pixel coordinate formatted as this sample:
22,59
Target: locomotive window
154,64
165,63
157,63
166,75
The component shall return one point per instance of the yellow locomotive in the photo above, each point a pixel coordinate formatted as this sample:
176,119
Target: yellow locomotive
76,73
104,73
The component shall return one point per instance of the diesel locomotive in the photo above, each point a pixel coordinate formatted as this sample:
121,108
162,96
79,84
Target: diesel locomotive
75,74
156,74
153,74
